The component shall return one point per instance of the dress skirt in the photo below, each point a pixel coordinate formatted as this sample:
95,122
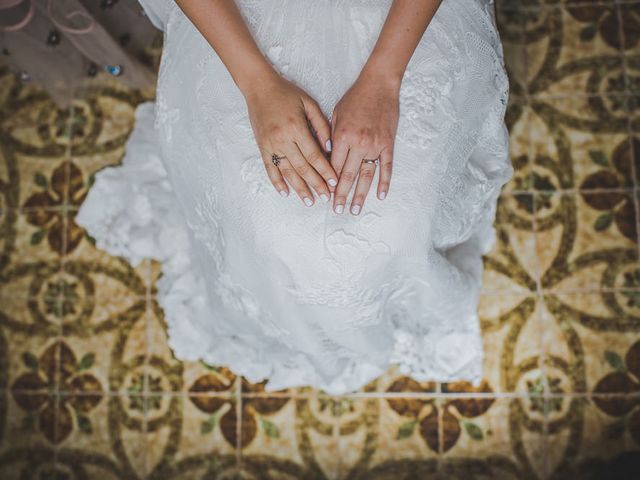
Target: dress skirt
300,295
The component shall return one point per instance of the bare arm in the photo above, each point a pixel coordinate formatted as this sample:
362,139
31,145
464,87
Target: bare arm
365,120
279,111
403,29
222,25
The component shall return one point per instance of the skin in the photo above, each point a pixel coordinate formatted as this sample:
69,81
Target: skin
363,123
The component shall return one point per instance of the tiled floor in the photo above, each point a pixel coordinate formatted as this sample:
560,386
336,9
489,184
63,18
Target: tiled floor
90,389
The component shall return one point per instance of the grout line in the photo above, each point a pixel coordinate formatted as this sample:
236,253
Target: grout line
315,394
238,406
145,382
625,94
556,292
573,6
335,433
60,296
627,90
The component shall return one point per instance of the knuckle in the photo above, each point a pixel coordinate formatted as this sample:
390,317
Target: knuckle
348,175
342,135
286,171
278,133
303,169
314,158
366,173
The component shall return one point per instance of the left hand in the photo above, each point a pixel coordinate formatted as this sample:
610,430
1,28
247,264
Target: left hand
363,125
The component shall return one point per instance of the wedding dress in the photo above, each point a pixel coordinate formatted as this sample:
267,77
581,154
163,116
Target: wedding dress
300,295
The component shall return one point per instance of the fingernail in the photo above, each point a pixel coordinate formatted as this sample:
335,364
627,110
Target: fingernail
327,145
324,197
332,182
307,201
355,209
339,208
382,195
283,193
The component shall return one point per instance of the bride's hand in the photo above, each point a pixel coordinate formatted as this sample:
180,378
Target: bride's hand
364,124
280,114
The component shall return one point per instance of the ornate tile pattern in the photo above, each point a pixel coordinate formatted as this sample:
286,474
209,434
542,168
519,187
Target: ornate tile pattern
90,389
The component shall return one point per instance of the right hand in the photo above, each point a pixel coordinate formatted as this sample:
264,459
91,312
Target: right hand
280,112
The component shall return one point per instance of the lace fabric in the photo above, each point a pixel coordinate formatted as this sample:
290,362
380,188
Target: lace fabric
300,295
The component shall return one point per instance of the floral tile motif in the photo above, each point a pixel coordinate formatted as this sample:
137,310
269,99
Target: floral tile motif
27,425
585,240
186,439
103,435
494,438
603,325
270,436
113,339
387,438
574,49
586,442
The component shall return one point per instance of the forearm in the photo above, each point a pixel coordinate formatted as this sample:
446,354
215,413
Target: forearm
222,25
403,28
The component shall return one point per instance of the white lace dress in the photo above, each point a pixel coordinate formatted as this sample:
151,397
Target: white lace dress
300,295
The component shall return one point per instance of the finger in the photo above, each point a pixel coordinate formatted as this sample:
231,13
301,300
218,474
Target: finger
297,182
273,172
317,160
347,177
319,123
339,154
305,170
386,167
365,178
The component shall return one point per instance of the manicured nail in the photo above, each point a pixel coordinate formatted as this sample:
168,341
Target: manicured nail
382,195
324,197
283,193
308,202
355,209
332,182
339,208
327,145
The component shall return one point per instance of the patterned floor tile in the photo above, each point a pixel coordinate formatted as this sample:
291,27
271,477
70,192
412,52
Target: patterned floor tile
385,438
512,266
559,309
499,438
112,345
591,342
102,435
586,442
102,275
512,342
585,240
28,435
288,437
192,438
576,137
520,117
574,49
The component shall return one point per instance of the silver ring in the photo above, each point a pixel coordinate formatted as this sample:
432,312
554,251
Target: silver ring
275,158
371,160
